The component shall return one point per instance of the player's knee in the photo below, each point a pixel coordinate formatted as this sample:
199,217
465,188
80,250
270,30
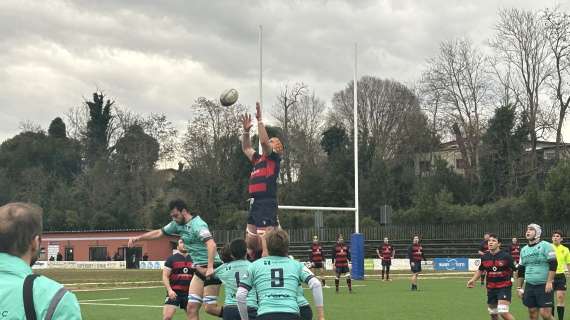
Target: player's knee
545,312
502,309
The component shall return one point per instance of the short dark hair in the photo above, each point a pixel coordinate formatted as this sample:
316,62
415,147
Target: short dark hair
178,204
492,235
226,254
20,223
238,249
277,242
558,232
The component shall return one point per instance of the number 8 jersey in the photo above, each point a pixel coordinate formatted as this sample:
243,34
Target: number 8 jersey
276,280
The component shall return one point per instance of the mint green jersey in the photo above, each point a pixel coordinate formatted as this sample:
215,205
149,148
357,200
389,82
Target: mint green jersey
230,274
535,259
301,300
277,282
195,233
13,272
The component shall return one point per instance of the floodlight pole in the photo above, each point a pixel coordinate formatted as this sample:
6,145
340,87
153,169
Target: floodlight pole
355,95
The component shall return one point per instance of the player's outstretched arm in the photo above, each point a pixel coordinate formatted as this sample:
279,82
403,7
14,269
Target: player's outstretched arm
241,298
245,139
263,136
151,235
317,290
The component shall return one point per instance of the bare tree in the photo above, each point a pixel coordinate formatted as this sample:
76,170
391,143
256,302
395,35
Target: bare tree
557,25
459,79
287,103
383,108
521,42
306,124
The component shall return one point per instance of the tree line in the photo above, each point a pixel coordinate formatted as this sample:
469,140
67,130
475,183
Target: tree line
96,166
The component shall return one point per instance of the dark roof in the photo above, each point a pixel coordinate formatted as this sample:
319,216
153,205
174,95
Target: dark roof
85,231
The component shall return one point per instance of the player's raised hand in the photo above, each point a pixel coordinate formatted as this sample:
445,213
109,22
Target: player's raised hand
132,241
258,111
246,121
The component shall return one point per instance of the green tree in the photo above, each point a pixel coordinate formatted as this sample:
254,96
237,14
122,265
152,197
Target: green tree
557,193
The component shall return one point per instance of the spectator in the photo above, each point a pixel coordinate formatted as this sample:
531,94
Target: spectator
24,295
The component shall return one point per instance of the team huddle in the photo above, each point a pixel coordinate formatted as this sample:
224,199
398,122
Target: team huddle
261,280
539,266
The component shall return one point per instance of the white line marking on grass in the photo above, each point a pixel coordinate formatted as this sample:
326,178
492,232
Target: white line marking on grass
96,300
119,305
100,283
110,289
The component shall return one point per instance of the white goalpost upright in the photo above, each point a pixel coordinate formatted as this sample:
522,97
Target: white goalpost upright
357,239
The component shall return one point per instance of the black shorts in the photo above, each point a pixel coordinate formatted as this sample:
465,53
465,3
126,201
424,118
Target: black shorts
386,263
317,265
559,282
232,313
263,213
341,270
211,281
181,301
494,295
306,312
535,297
279,316
416,267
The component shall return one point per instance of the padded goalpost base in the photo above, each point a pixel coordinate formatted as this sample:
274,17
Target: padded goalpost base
357,255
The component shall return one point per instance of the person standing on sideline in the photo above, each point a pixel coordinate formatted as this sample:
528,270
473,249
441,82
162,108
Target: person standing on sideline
317,259
416,255
24,295
386,252
563,261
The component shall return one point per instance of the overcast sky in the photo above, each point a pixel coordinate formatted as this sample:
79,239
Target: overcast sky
159,56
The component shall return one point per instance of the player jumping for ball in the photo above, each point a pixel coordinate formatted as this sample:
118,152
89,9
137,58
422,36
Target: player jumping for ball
262,183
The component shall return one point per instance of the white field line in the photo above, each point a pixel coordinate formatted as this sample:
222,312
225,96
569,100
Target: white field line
111,289
97,300
100,283
120,305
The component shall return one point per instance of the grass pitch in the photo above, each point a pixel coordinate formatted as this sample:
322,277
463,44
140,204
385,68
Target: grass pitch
138,294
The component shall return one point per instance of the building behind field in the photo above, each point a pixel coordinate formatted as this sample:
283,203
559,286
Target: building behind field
104,245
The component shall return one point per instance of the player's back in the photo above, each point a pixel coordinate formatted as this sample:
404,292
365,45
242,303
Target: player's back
230,274
277,282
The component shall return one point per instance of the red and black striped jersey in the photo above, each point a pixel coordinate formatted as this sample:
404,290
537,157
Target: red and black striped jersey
416,252
316,252
263,177
180,272
341,255
499,267
386,251
515,251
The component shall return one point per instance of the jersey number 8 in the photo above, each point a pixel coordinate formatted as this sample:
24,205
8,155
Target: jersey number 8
277,278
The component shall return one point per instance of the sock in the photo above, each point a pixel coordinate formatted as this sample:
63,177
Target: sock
560,311
349,283
382,274
323,281
387,273
336,281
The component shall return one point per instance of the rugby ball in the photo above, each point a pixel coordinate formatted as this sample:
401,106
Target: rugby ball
229,97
